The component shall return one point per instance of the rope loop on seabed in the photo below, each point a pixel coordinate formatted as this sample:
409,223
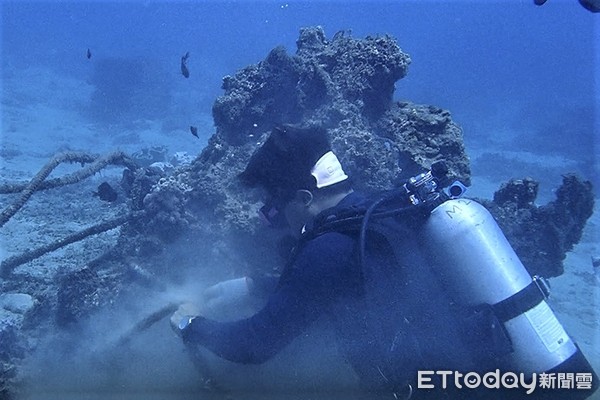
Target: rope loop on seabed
39,180
39,183
8,265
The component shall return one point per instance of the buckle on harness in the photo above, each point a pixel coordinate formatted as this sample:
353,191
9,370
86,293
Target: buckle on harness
543,285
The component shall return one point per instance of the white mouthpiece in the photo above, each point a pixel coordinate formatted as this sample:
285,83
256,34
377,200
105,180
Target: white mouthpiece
328,171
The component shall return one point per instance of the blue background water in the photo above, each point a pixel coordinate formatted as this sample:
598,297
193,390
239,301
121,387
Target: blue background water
514,75
463,51
466,53
474,58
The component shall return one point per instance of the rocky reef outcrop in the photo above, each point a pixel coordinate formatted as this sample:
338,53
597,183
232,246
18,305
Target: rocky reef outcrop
344,84
542,235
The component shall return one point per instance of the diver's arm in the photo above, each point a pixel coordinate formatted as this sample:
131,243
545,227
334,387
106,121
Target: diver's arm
253,340
301,297
263,284
233,291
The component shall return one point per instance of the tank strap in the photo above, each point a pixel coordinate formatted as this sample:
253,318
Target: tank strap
524,300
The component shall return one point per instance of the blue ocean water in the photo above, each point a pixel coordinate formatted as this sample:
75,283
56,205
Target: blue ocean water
521,80
514,75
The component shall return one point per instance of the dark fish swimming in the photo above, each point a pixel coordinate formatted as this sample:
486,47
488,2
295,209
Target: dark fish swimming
184,69
194,131
106,192
88,54
590,5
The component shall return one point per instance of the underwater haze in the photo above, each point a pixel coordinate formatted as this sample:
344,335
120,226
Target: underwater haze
503,69
521,80
508,71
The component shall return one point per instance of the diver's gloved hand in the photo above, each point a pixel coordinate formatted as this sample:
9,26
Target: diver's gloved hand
228,292
183,317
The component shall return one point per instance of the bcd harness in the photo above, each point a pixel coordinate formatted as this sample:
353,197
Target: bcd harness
411,205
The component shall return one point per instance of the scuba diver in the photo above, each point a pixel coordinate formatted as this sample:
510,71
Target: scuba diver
404,276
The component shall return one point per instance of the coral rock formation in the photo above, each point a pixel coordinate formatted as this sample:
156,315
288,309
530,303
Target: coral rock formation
344,84
541,236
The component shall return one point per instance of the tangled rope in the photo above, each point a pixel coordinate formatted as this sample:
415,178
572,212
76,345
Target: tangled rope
8,265
38,182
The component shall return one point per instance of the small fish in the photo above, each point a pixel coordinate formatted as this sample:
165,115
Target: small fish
106,192
88,54
194,131
591,5
184,69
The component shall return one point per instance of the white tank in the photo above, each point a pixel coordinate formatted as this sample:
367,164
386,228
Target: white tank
477,265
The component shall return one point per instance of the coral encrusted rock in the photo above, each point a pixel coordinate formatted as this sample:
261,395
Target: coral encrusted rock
344,84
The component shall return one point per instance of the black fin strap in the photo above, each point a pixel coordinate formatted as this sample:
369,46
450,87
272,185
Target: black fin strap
524,300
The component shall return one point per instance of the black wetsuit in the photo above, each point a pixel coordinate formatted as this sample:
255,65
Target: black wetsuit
392,317
325,278
323,275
